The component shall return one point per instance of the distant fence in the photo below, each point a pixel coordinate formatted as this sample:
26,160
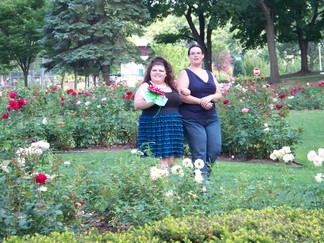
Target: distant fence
35,77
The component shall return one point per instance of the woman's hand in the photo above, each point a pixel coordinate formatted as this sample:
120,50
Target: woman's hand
206,103
185,91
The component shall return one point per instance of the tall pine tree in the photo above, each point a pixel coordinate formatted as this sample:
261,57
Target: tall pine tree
88,35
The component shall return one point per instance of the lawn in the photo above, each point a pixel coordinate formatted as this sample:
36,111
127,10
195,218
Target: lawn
251,184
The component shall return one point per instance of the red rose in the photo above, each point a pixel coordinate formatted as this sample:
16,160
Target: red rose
281,96
79,204
14,105
279,106
13,95
226,102
21,102
41,178
5,116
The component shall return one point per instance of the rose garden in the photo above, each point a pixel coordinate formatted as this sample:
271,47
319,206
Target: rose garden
55,189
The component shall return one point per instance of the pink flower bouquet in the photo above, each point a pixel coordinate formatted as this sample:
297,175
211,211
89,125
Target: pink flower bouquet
155,95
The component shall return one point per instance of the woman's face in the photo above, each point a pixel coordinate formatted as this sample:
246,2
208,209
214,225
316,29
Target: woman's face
158,73
195,55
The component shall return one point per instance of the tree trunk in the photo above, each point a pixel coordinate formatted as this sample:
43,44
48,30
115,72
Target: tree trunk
303,46
75,80
270,33
62,81
25,73
105,73
200,37
208,57
94,79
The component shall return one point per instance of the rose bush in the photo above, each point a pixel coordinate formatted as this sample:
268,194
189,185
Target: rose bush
33,199
67,118
253,120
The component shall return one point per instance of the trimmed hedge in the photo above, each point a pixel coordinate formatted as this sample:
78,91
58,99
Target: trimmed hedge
282,224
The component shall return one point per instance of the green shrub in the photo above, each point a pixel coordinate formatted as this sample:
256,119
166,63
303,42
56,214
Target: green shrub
33,199
253,122
267,225
68,119
308,98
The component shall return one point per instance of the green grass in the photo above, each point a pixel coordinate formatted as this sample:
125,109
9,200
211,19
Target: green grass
247,184
313,131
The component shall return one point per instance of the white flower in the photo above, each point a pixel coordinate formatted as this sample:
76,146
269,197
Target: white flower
275,155
51,177
44,121
199,164
288,158
43,145
36,152
177,170
103,100
155,173
290,97
163,172
23,152
78,103
317,161
67,162
42,189
266,124
319,177
321,152
266,129
169,194
311,155
21,162
198,176
88,103
99,106
286,149
187,163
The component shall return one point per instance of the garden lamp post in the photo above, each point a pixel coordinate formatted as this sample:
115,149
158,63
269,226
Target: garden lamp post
320,55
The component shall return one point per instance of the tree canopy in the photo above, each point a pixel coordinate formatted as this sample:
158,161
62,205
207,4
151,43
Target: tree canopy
202,16
20,21
92,35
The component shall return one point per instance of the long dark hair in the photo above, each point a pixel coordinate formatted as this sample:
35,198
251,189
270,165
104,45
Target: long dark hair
169,79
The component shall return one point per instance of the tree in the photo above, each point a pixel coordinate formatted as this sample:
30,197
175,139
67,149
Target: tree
20,21
202,16
279,20
302,22
253,22
83,35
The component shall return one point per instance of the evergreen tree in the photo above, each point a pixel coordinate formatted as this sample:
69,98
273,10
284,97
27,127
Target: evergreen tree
88,35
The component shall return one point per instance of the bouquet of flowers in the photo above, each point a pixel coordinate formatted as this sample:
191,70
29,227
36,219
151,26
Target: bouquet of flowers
155,95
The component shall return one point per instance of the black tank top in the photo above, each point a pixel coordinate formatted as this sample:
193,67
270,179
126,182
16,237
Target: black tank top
171,106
